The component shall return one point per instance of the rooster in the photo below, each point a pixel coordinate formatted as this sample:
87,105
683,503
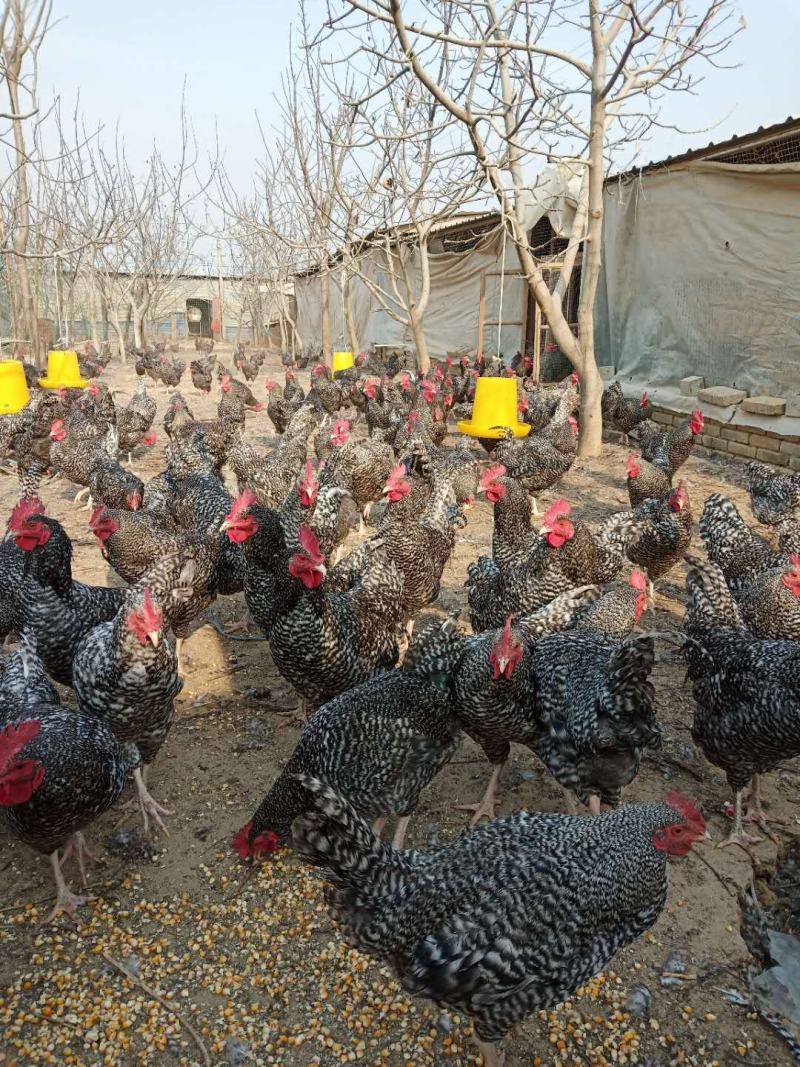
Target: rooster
669,449
665,535
510,919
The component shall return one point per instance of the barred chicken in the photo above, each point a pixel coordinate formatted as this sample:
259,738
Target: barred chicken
730,543
135,421
774,497
125,674
646,480
510,919
746,691
665,535
380,743
624,414
669,449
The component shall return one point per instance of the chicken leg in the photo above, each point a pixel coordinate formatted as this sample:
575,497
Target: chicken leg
67,903
486,808
755,813
80,495
147,805
737,835
77,847
398,841
492,1055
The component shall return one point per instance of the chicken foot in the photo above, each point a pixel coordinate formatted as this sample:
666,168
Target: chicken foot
737,835
149,807
755,813
492,1055
67,902
485,809
86,491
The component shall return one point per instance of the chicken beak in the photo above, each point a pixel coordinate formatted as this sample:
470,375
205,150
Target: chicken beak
226,525
154,637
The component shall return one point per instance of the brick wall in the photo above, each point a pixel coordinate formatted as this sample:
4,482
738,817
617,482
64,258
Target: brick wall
740,441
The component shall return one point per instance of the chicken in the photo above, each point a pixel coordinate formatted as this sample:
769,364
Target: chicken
271,476
729,542
132,541
567,554
539,461
623,413
59,770
279,407
669,449
746,691
323,393
135,421
510,919
258,530
380,743
774,497
665,535
125,673
618,610
177,417
74,456
360,467
23,681
57,611
646,480
490,682
292,390
249,367
202,373
113,486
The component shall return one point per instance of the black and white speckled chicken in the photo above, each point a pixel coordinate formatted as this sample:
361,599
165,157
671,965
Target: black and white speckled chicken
540,460
270,476
566,554
178,415
595,705
125,673
491,686
508,920
774,497
135,421
361,468
646,480
380,744
618,610
280,408
746,691
59,770
323,393
257,530
57,611
670,448
202,372
74,456
665,534
24,683
732,545
110,484
624,413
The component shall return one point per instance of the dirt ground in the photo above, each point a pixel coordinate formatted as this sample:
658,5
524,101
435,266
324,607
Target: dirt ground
237,965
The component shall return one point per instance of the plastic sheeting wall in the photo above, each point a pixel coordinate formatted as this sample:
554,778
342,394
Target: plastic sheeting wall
451,318
702,276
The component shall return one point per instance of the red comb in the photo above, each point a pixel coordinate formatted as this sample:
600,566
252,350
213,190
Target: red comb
557,510
638,581
150,439
686,807
491,473
14,738
241,504
23,511
309,543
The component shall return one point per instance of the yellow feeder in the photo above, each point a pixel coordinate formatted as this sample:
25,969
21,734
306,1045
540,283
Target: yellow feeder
341,361
14,395
63,370
494,410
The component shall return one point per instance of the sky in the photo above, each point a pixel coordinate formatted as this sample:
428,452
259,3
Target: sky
129,63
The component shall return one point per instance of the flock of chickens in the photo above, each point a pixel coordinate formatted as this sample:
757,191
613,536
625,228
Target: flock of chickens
516,914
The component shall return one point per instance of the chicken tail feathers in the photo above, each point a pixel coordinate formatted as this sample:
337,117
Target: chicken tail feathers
334,836
631,691
433,655
710,603
558,614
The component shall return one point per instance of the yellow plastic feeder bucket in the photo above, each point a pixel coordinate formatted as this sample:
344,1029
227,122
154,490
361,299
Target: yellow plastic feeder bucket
494,410
63,370
341,361
14,395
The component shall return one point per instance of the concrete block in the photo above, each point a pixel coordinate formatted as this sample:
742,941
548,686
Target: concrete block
721,396
746,451
764,405
766,455
742,437
692,385
711,429
663,418
761,440
794,463
790,448
793,406
718,444
607,373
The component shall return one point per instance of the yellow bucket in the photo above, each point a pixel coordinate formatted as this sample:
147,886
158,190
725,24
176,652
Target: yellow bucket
14,395
341,361
494,409
63,370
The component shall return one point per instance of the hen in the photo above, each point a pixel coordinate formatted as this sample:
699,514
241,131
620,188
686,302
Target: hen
746,691
59,770
380,744
623,413
125,673
774,497
669,449
665,535
646,480
135,420
729,542
508,920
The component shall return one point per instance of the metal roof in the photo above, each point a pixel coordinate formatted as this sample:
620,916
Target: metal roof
712,150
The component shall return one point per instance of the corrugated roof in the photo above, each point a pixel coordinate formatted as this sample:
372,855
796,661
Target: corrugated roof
713,149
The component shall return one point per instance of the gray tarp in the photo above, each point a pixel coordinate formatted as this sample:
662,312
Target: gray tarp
702,276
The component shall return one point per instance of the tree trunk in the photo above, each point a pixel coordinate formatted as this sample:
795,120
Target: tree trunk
327,352
138,327
349,318
421,345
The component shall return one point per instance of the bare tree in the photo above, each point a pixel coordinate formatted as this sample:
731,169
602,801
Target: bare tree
517,85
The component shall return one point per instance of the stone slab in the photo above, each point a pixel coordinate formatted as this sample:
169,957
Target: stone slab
692,385
721,396
793,406
764,405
